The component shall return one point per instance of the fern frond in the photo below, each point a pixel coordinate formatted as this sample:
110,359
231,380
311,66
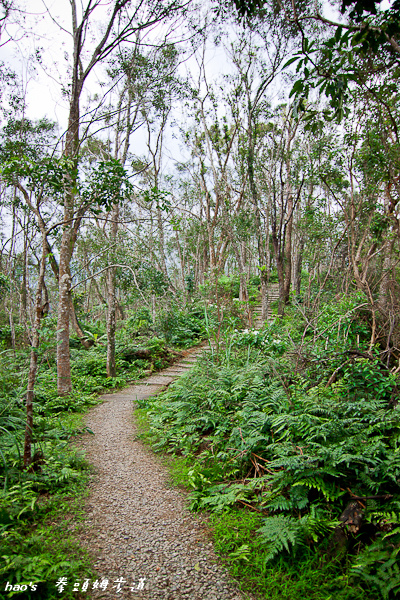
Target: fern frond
280,533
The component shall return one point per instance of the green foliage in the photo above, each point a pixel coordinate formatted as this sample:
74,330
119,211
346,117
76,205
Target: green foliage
268,340
31,552
310,574
46,176
282,532
158,197
228,286
22,137
40,554
295,449
99,186
105,184
182,328
5,285
378,565
369,376
140,321
6,334
148,278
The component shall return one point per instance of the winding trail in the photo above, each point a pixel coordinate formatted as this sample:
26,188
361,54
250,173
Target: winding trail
136,526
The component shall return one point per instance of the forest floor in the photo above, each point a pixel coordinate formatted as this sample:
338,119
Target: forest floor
142,538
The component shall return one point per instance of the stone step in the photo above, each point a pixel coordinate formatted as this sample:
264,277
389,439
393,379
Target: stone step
272,296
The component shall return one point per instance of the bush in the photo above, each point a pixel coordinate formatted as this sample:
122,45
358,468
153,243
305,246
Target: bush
182,328
299,453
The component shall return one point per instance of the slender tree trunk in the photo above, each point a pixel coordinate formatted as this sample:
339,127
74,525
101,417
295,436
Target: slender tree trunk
153,307
73,318
12,326
78,329
64,384
264,296
111,320
120,309
298,267
289,228
384,287
182,263
265,266
33,361
288,262
243,291
23,302
279,268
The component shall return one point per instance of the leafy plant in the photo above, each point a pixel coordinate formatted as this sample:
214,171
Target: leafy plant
296,453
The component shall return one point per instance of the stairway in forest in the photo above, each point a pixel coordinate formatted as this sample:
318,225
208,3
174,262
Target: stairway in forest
273,295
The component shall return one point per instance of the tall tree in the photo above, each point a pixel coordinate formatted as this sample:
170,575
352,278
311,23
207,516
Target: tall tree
125,21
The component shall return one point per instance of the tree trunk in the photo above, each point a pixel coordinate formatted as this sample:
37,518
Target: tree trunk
279,268
182,264
384,287
78,329
298,267
153,307
264,296
120,309
111,321
289,230
24,284
161,242
64,384
288,263
33,362
243,291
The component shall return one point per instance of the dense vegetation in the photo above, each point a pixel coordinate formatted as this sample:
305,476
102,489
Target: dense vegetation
35,503
157,212
296,447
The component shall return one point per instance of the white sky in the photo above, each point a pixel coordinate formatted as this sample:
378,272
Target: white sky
43,83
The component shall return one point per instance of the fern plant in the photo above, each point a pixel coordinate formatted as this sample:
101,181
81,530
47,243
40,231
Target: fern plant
378,564
296,453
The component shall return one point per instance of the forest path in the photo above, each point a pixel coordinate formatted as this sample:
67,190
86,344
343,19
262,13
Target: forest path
273,295
137,527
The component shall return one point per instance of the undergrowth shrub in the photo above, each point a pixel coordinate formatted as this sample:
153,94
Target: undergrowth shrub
308,574
182,328
37,548
35,545
254,433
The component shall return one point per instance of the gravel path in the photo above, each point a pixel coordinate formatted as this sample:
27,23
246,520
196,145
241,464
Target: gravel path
136,526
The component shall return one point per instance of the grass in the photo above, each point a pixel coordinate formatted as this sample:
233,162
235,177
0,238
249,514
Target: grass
39,512
43,548
310,573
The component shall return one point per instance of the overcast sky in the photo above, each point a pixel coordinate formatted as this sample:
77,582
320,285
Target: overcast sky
47,23
44,29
